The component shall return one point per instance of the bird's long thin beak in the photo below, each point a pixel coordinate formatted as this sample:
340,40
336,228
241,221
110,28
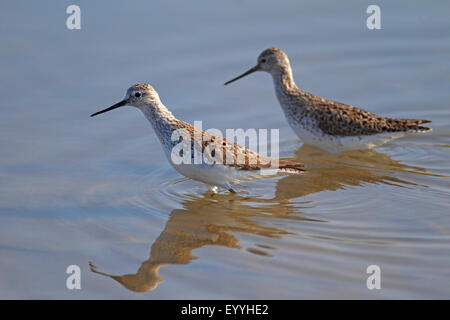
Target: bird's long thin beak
117,105
254,69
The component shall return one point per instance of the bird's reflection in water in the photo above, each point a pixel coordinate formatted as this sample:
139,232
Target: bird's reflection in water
211,220
333,172
204,220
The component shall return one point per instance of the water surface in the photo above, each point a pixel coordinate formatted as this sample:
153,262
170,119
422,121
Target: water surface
77,190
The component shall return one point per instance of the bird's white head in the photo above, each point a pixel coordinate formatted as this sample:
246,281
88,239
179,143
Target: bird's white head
141,94
271,60
138,95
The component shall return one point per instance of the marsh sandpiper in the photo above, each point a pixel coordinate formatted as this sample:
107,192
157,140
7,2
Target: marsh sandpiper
329,125
224,162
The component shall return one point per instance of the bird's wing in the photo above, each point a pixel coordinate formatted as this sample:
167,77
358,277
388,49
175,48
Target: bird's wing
338,119
217,149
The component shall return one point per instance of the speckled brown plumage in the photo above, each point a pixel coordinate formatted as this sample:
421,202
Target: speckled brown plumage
232,154
339,119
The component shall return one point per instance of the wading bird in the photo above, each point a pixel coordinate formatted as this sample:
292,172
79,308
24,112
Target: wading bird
329,125
223,163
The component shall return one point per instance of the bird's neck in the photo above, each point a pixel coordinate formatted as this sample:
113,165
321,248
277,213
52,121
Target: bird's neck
285,86
162,120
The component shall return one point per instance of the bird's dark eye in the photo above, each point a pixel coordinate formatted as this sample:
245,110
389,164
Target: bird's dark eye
137,94
263,60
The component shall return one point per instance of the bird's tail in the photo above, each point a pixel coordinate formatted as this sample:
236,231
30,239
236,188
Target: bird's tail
291,167
410,125
415,125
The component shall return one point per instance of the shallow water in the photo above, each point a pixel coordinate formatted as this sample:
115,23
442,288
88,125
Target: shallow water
77,190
